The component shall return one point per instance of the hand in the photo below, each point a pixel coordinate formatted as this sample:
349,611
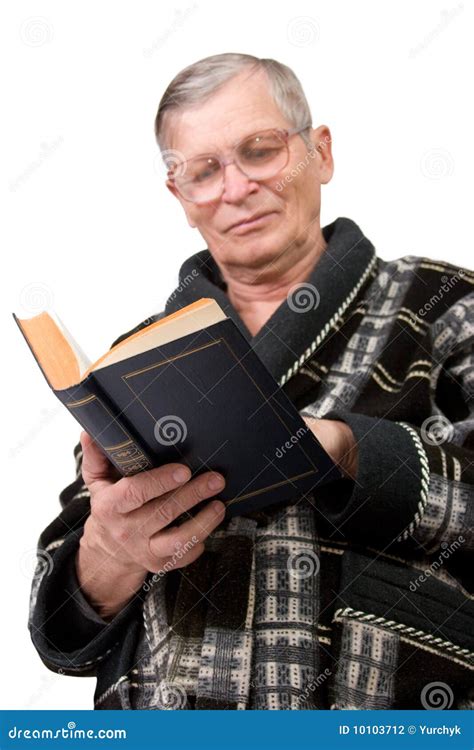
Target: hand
128,532
338,441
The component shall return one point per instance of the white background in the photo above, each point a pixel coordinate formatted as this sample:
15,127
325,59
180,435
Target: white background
91,231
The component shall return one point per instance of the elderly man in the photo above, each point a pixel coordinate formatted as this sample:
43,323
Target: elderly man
357,595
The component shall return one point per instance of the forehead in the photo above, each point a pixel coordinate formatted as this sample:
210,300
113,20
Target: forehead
241,107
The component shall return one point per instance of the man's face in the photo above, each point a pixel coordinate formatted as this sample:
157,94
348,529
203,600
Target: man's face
242,107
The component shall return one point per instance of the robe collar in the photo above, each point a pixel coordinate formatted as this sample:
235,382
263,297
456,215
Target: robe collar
302,321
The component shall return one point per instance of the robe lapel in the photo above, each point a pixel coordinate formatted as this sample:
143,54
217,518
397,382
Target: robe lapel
303,321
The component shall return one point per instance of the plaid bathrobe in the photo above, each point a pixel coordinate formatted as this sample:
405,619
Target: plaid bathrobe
357,595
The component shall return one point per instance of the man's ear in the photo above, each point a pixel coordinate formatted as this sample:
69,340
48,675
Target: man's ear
185,204
322,143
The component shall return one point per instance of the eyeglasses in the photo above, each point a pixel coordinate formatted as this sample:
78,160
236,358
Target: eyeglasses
259,156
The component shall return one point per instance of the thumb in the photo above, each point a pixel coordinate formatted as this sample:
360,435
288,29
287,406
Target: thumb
96,468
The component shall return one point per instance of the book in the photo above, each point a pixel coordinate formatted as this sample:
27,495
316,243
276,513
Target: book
187,388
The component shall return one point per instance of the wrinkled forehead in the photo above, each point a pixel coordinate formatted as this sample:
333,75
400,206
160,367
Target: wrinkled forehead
231,114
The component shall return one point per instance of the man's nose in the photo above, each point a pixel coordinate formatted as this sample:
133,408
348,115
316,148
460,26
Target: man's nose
236,184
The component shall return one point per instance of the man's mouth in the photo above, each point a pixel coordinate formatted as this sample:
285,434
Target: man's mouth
252,222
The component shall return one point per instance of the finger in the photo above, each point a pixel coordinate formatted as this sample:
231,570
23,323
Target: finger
165,542
160,512
190,555
96,468
131,493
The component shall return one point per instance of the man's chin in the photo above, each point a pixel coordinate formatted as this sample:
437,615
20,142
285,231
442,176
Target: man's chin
253,253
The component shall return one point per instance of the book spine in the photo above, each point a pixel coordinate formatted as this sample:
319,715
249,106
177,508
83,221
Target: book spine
96,414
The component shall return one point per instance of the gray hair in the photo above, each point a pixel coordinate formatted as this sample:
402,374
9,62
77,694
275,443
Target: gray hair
196,83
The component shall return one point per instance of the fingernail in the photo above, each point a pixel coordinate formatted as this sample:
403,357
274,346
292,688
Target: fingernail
215,482
181,475
217,507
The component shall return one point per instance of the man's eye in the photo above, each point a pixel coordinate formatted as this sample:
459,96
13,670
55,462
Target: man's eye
204,172
202,176
260,154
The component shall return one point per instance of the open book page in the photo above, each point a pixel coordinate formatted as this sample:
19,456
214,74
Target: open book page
190,319
63,362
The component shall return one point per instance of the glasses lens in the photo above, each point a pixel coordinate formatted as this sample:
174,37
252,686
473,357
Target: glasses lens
262,155
201,178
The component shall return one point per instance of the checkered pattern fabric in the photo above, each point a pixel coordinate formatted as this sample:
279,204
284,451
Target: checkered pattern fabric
358,595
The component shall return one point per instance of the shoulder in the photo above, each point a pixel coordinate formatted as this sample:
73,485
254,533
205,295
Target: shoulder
143,324
436,296
431,270
425,281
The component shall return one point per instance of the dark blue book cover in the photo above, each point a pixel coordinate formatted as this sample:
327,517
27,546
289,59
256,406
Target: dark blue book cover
207,400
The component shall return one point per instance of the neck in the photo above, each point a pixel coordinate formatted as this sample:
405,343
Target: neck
257,294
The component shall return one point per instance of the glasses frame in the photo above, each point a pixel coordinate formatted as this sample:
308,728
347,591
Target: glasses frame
283,133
